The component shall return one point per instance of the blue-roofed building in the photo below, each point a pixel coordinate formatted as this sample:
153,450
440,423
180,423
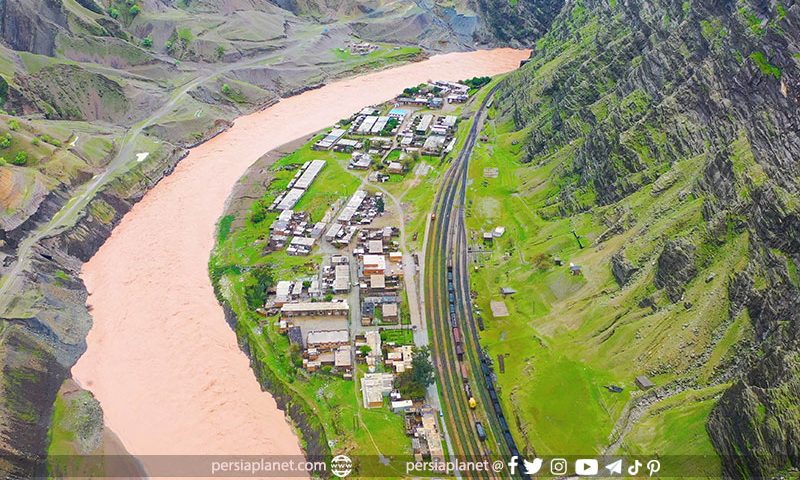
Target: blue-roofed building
398,113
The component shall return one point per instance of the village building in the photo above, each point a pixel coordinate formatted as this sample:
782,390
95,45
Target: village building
360,161
295,335
390,312
310,172
433,145
366,125
375,247
398,113
315,309
374,387
347,145
283,290
333,232
399,406
341,282
377,283
352,207
300,246
395,167
374,264
330,139
424,124
363,48
644,383
327,339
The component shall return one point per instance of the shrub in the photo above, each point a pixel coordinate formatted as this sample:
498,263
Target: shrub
13,125
220,51
21,158
226,89
185,35
5,141
113,12
134,10
3,162
147,42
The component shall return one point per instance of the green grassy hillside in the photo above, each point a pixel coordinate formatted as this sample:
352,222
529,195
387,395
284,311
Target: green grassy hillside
644,146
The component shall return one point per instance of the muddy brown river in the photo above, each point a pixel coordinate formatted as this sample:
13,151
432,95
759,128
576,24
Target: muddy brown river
161,359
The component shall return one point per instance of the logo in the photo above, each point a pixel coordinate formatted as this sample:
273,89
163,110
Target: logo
341,466
653,466
532,468
634,469
614,468
558,466
586,467
512,465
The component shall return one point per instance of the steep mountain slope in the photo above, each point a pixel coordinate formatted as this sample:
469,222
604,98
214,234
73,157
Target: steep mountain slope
654,144
99,100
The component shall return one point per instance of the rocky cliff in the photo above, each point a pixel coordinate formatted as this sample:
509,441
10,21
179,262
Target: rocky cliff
633,97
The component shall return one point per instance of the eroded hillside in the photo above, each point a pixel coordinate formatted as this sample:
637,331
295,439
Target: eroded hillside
655,146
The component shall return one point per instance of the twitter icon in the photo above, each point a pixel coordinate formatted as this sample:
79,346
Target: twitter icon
532,468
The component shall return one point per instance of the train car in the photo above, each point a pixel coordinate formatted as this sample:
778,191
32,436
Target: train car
464,373
450,287
493,395
453,320
510,441
503,423
481,432
480,323
449,274
468,390
451,297
473,404
457,334
452,309
460,351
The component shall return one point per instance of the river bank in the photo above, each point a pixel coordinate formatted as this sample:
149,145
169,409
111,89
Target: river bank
161,360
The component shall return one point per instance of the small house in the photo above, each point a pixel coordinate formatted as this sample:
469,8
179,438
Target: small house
644,383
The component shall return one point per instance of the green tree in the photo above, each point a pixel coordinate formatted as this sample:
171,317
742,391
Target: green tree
408,388
413,383
365,350
3,162
13,124
113,12
220,51
5,141
147,42
256,293
134,10
226,89
21,158
421,367
380,205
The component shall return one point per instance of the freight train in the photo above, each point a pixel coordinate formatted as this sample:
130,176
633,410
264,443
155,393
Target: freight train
486,370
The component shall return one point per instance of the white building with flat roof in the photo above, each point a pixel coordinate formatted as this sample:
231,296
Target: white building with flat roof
290,199
341,279
330,139
309,174
352,206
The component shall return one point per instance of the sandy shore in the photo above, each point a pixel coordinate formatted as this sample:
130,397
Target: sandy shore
161,359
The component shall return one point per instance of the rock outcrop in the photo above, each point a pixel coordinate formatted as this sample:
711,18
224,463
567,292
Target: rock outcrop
675,268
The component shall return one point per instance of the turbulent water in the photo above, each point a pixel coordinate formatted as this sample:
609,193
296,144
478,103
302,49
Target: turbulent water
161,359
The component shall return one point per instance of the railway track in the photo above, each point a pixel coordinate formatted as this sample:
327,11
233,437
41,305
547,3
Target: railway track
463,368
